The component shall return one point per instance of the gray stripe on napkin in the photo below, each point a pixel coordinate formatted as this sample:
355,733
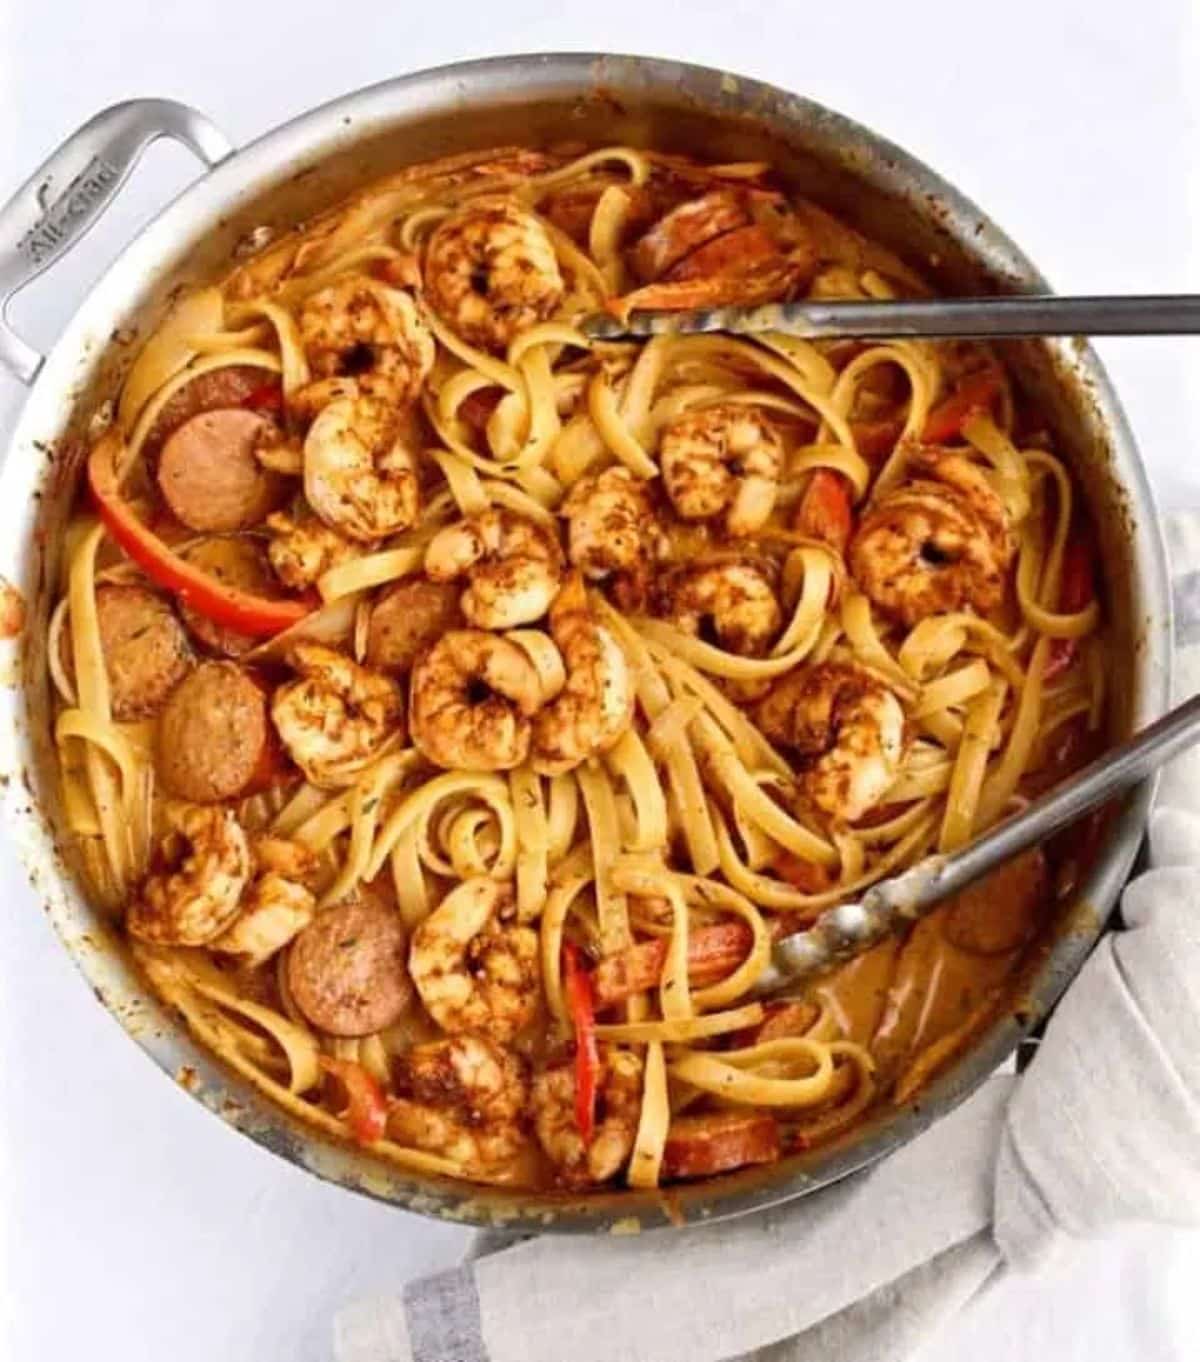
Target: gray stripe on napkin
1185,590
443,1317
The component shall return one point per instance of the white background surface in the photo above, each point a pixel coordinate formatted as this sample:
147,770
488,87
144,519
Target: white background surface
133,1225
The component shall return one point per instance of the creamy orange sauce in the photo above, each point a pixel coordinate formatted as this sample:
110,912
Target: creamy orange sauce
909,994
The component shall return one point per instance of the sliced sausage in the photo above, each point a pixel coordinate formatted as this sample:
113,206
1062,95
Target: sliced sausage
702,1146
146,651
730,253
214,737
999,912
209,475
347,970
685,228
238,562
229,386
408,618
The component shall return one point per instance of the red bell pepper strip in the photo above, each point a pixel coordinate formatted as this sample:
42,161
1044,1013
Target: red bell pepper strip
239,610
976,392
806,876
712,952
1076,588
824,510
587,1053
367,1110
875,440
476,408
267,397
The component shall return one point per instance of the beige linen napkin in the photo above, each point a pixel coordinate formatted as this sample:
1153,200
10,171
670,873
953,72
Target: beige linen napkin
1102,1128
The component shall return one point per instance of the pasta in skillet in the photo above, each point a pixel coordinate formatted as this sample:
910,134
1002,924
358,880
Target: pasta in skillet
455,708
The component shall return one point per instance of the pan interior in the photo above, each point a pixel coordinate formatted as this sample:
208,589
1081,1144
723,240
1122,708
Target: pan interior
304,167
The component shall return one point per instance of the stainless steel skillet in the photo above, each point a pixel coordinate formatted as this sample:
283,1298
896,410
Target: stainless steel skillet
305,165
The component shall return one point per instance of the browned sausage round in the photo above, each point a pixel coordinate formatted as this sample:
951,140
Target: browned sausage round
346,970
701,1146
229,386
407,618
210,476
214,735
239,562
146,651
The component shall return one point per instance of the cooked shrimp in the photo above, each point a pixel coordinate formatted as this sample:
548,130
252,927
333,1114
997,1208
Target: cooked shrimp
513,567
596,705
363,338
281,856
846,727
491,272
474,968
204,862
464,1098
620,1100
337,715
273,911
735,598
611,530
303,547
724,458
360,473
277,906
935,544
471,699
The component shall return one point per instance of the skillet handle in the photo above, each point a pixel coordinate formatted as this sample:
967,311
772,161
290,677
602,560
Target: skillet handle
65,195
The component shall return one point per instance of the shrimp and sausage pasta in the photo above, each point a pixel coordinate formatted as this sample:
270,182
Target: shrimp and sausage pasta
454,709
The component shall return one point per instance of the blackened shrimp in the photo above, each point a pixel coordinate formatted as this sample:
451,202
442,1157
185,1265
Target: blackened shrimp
278,904
722,460
620,1101
363,338
476,969
735,598
512,566
596,705
612,531
302,548
337,715
491,272
471,698
939,542
686,228
847,729
463,1098
201,868
360,469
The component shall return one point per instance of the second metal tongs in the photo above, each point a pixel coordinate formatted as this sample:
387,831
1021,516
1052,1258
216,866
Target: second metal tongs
847,930
888,319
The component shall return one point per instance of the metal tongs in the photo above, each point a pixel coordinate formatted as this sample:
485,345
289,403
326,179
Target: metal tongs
889,319
845,931
850,928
